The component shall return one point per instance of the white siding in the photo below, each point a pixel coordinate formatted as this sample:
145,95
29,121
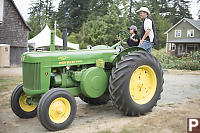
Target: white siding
1,10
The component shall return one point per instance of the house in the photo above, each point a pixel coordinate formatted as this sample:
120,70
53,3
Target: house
183,37
13,30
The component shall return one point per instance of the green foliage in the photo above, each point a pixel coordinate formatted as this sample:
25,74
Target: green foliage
94,33
190,62
58,33
102,30
41,13
73,13
96,22
74,38
174,10
35,26
165,13
162,24
199,9
178,9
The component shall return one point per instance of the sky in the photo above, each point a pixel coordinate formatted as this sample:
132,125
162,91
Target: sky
23,6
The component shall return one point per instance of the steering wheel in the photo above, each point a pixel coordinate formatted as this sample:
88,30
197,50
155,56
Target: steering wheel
124,34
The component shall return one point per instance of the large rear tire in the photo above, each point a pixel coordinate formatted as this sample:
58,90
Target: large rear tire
57,109
136,83
19,104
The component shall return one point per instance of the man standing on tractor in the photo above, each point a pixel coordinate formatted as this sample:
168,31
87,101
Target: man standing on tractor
148,33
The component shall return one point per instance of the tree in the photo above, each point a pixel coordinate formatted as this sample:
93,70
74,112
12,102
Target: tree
162,25
41,13
35,26
73,13
199,10
102,30
178,9
158,10
164,13
99,7
48,9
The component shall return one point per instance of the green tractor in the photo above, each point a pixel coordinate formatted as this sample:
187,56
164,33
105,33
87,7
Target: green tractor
131,78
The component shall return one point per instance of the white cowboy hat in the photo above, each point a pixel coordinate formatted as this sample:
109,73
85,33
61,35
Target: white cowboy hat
144,9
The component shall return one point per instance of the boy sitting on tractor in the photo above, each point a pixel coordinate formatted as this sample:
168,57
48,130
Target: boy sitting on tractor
134,39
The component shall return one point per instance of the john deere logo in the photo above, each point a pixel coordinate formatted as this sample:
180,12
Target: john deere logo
100,63
46,73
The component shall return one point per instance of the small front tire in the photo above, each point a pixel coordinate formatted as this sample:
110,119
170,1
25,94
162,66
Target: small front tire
19,104
57,109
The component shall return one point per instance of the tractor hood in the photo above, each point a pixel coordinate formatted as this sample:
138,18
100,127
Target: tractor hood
70,57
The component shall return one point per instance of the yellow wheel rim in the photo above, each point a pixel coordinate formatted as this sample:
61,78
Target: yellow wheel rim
59,110
24,105
143,84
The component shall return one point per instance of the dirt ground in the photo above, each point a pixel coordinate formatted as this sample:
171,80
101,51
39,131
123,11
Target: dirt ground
180,99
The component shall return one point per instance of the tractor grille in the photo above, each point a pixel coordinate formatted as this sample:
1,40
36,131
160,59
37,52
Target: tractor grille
31,76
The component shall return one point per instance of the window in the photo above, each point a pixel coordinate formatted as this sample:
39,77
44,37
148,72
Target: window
177,33
1,10
190,33
173,47
191,48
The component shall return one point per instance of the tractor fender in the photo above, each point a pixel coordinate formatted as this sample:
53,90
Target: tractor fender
125,52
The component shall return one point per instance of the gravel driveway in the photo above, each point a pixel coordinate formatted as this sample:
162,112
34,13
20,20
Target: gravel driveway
179,87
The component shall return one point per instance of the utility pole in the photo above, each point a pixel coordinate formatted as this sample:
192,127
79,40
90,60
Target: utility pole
55,27
64,39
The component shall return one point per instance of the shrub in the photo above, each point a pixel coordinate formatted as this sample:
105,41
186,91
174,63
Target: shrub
190,62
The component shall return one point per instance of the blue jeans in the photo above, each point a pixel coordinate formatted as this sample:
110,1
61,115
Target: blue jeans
146,45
